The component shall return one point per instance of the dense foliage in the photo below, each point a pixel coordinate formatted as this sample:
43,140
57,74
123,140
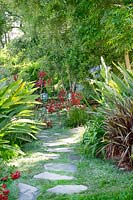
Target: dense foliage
67,38
17,122
117,97
52,68
93,136
77,116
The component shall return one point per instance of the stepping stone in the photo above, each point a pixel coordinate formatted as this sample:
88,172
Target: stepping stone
60,150
52,144
42,136
60,167
27,192
52,156
56,134
67,189
53,176
73,157
47,156
79,129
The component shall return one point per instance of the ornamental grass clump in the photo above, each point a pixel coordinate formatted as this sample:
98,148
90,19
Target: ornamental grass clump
116,97
77,116
76,111
119,133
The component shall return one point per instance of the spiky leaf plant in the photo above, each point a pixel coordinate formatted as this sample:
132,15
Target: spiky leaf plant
119,133
17,123
116,97
114,86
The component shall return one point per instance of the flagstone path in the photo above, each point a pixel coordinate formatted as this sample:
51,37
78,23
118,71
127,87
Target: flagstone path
60,143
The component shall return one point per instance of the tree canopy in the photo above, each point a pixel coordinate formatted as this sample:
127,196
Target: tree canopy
69,37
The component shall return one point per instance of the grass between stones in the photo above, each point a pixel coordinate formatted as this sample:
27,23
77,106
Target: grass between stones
103,179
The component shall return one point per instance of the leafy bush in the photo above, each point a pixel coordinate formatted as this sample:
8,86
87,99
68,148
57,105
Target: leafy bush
76,116
16,115
93,136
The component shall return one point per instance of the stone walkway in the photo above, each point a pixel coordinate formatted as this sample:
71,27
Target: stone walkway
56,143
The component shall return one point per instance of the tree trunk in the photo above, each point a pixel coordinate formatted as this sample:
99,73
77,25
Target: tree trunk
69,76
73,86
2,43
127,60
63,84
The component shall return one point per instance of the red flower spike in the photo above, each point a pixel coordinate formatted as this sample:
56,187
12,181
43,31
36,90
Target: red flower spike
39,83
15,175
41,74
62,95
51,108
75,98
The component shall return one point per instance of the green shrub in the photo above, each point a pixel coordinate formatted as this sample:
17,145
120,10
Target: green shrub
76,116
17,122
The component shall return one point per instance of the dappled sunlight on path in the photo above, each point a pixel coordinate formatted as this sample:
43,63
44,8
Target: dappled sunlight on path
35,157
72,137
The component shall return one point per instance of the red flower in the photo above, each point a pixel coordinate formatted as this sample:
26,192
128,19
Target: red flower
6,192
15,77
39,83
4,185
75,98
4,198
51,108
41,74
62,99
15,175
62,92
4,178
62,95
